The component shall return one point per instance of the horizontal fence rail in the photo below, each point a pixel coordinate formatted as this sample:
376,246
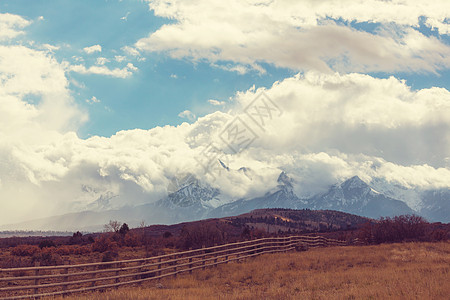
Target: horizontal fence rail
33,282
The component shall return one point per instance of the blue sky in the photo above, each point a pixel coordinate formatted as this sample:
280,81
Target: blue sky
364,88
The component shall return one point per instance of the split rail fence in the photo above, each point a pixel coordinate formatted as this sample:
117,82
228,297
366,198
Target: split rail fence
35,282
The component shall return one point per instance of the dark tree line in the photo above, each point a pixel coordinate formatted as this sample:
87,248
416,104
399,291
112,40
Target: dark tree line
396,229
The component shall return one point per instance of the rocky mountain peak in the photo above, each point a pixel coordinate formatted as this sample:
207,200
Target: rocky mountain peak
354,183
284,181
188,191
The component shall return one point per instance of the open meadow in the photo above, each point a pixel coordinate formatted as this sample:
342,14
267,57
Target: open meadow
387,271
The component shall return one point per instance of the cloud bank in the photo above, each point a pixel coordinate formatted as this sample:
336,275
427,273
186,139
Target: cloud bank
304,35
332,127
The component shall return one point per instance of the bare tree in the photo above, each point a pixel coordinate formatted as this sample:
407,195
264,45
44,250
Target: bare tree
112,226
142,224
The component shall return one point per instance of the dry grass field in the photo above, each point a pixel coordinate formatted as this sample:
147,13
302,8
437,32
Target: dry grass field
388,271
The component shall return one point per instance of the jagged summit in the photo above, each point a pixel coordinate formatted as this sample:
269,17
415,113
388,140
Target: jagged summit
354,183
188,191
224,165
284,180
356,196
354,190
282,196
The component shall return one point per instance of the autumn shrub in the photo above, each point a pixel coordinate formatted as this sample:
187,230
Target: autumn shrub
77,238
438,235
81,250
196,236
51,250
258,233
64,250
124,229
396,229
104,243
14,262
246,232
25,250
47,258
132,239
109,256
46,243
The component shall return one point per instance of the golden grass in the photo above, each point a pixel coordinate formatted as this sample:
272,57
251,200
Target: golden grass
391,271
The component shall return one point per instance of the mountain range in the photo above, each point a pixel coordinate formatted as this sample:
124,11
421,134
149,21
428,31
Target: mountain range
189,199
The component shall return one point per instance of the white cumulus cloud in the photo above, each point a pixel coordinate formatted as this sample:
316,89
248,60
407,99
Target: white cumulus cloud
187,114
302,35
119,58
216,102
93,100
101,61
104,70
131,51
10,25
92,49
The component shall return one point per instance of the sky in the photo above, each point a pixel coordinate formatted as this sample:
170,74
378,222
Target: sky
113,99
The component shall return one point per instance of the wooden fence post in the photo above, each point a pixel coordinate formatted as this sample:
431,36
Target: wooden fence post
94,275
118,265
36,273
215,260
175,268
203,257
226,254
159,266
140,270
190,265
66,278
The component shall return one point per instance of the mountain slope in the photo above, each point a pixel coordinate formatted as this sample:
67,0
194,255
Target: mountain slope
357,197
282,197
304,220
436,205
190,200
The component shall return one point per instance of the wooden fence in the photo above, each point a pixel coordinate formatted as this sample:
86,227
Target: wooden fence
34,282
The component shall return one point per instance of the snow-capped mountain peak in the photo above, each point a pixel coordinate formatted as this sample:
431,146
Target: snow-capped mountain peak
356,196
284,181
354,183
